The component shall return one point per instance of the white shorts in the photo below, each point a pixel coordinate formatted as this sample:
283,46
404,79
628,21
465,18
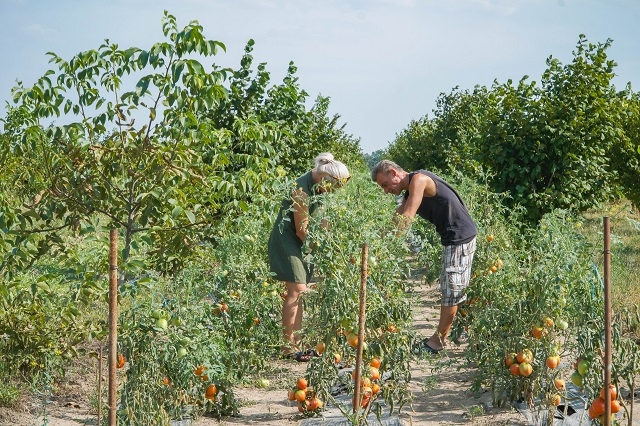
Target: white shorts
456,272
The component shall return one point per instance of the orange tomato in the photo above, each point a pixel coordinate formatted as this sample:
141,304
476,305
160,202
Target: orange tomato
536,331
313,404
300,395
211,392
302,383
510,359
337,357
375,388
591,412
552,361
525,356
525,369
555,400
598,406
199,369
352,340
320,347
121,361
559,384
291,395
612,390
375,362
375,373
615,406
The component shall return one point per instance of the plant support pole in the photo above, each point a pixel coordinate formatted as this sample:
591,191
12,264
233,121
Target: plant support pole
99,384
113,322
357,394
607,322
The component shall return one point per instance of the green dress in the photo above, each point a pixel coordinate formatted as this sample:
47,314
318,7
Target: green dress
286,260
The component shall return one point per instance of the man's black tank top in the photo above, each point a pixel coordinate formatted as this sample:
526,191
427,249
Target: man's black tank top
447,212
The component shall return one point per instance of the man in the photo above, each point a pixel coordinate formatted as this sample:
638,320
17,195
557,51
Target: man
429,196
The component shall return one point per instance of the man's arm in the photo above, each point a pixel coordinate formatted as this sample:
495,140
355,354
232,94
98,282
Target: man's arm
406,212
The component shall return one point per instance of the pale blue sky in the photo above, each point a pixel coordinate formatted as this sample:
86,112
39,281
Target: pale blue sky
382,62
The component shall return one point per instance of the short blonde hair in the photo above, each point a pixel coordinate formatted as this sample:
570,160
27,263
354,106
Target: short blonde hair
329,167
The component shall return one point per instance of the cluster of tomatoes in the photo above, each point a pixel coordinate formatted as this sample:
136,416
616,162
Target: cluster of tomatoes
305,396
211,390
520,364
597,407
369,387
580,367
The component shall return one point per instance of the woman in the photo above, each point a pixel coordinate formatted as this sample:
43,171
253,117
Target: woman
287,238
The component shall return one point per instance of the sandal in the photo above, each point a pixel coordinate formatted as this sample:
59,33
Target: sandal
302,356
299,356
429,349
313,353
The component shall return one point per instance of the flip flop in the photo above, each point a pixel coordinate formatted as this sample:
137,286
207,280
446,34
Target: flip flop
429,349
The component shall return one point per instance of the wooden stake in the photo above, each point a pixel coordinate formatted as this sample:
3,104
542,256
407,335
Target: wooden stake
357,395
100,384
113,324
607,323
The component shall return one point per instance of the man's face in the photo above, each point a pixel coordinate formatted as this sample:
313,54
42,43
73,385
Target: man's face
389,182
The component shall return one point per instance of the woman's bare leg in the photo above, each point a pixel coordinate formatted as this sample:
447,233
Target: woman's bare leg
292,315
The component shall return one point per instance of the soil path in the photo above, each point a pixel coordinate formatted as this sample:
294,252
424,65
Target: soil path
440,387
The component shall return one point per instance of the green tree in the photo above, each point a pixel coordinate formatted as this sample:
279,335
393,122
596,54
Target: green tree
304,132
625,151
373,158
410,148
549,146
147,161
446,142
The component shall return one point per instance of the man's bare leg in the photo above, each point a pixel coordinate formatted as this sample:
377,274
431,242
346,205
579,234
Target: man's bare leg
447,315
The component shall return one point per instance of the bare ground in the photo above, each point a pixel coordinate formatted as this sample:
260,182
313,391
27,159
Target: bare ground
440,387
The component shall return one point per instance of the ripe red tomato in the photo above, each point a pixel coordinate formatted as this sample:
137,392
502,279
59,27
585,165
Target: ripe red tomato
515,369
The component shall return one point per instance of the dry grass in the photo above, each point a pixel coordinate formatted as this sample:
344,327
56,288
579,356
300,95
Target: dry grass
625,251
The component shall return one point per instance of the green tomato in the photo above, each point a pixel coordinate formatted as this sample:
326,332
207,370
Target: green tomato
162,323
562,324
182,352
576,379
583,367
156,313
372,261
176,320
263,383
